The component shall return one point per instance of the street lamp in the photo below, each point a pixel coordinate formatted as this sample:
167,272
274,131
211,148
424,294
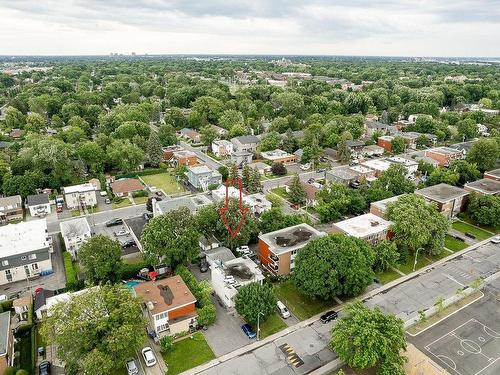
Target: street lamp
416,255
258,324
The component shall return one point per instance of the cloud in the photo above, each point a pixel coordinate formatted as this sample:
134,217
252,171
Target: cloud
459,27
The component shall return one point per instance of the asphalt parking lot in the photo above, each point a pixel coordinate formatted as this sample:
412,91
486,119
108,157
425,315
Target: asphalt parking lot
112,232
467,342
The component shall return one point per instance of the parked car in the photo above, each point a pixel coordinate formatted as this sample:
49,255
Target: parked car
311,180
128,243
147,216
203,266
321,170
329,316
282,310
243,250
132,368
114,222
248,331
59,207
107,201
305,167
44,368
103,193
3,297
159,193
122,232
149,357
495,240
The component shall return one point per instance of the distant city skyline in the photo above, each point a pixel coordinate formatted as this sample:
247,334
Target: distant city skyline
465,28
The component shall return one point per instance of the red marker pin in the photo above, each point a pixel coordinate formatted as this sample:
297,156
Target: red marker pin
223,210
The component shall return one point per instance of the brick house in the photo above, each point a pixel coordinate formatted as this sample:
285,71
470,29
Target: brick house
450,200
444,155
127,186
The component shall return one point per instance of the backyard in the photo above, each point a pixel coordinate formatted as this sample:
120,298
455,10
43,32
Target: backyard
188,353
464,227
163,181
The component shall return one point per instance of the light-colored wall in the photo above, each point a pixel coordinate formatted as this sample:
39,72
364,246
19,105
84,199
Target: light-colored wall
19,274
34,210
73,200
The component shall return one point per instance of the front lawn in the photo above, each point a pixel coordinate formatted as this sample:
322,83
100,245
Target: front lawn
270,326
188,353
387,276
140,200
303,307
464,217
453,244
24,347
463,227
422,261
165,182
281,191
123,203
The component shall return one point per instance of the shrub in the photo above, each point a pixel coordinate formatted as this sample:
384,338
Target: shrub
10,371
22,372
278,169
7,305
72,282
142,193
166,344
128,271
207,315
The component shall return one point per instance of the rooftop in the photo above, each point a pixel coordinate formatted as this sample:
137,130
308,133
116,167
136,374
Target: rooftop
382,205
494,173
377,164
485,186
247,139
78,188
183,154
126,185
363,226
361,169
23,237
404,161
444,150
354,143
441,193
275,154
343,173
9,203
164,295
193,203
222,142
136,224
291,238
75,227
220,254
202,169
35,200
243,269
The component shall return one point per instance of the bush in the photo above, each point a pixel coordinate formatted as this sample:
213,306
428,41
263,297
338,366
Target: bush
166,344
72,282
128,271
117,200
22,372
278,169
207,315
10,371
142,193
7,305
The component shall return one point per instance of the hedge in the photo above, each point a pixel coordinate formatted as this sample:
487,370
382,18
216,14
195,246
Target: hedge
130,270
72,282
144,172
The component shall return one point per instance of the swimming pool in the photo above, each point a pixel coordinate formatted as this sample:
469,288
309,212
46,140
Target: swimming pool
131,283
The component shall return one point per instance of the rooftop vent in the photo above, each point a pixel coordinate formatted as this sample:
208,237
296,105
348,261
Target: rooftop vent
374,223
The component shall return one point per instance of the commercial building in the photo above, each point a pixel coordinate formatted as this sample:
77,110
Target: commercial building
201,177
169,304
38,205
75,233
444,155
279,156
228,276
369,227
485,186
278,249
450,200
79,195
11,208
24,251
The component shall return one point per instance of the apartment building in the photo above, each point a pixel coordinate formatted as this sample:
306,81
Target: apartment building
450,200
79,195
368,227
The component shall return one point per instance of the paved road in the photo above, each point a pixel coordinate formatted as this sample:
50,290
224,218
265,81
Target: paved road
212,163
404,300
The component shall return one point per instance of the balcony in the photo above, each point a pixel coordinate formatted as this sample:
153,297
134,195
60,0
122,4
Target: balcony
274,258
273,267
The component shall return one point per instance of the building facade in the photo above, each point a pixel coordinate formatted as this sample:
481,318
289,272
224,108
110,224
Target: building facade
38,205
79,195
11,208
201,177
75,233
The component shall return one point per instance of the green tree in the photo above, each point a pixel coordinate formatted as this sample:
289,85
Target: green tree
95,332
386,255
484,210
275,219
14,118
398,145
100,258
278,169
124,156
334,265
366,338
207,135
35,122
445,176
394,180
230,118
484,153
167,136
171,238
296,192
254,299
166,344
270,141
92,155
468,172
467,129
154,150
343,152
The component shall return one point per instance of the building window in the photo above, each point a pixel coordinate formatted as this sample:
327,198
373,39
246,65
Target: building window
8,275
32,256
23,257
34,266
5,263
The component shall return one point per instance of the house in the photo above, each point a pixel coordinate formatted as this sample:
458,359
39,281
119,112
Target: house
222,148
241,158
363,172
22,305
6,342
201,177
245,143
134,226
126,187
96,183
25,251
40,302
493,175
218,255
75,233
257,202
241,271
261,167
378,165
221,132
385,141
355,148
4,145
372,151
380,207
207,244
369,227
190,135
341,175
485,186
184,157
444,155
193,203
310,191
463,146
11,208
38,205
278,249
279,156
168,151
169,305
372,127
55,299
330,154
450,200
79,195
410,165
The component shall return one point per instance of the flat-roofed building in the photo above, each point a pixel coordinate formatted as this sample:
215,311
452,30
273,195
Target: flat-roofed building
278,249
201,177
193,203
484,186
410,165
385,142
372,150
184,157
75,233
444,155
363,171
493,175
380,207
279,156
378,165
369,227
79,195
342,175
450,200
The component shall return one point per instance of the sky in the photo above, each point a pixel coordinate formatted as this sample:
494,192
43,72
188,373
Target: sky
296,27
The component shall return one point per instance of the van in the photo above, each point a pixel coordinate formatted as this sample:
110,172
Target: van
282,310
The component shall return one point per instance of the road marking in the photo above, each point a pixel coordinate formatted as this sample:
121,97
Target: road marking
292,357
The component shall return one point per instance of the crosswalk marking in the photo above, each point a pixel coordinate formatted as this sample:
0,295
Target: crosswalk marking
292,357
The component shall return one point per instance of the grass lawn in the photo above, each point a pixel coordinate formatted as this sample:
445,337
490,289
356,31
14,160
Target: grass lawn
463,227
387,276
24,348
75,213
300,305
453,244
163,181
140,200
272,325
281,191
407,267
188,353
123,203
463,216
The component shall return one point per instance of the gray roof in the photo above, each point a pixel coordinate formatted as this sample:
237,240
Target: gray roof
4,331
220,254
494,172
441,193
291,238
136,225
34,200
41,297
193,203
75,227
247,139
353,143
376,125
4,144
14,201
485,185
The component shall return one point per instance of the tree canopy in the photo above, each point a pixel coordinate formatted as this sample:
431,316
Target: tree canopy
100,258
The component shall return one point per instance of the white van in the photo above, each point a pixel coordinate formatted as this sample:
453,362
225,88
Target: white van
282,310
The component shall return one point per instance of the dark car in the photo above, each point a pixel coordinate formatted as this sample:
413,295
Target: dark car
114,222
128,243
248,331
44,368
159,193
329,316
147,216
320,170
203,266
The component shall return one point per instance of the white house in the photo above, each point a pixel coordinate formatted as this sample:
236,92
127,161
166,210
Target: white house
38,205
75,233
76,195
222,148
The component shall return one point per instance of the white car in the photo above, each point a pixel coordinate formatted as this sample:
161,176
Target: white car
244,250
3,297
103,193
149,357
153,189
495,240
229,279
132,368
305,167
122,232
